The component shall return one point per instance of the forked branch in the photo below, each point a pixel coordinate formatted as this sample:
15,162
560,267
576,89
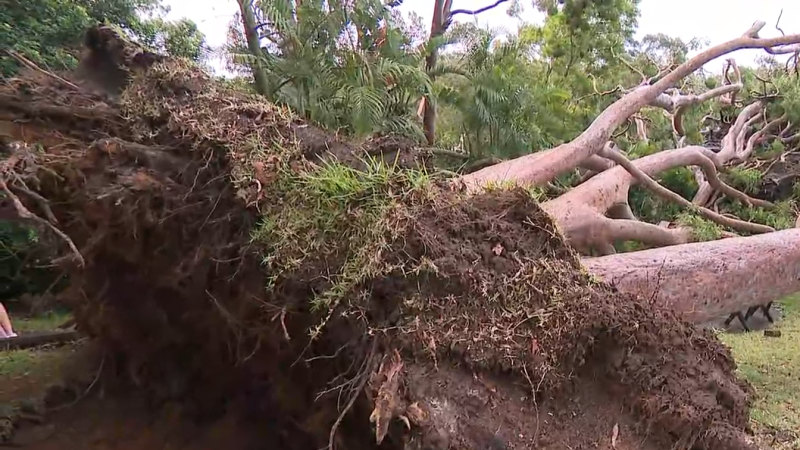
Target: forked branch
540,168
652,185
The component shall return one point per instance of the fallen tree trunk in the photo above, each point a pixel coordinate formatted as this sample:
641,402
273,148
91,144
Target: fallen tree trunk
204,195
705,280
541,167
29,340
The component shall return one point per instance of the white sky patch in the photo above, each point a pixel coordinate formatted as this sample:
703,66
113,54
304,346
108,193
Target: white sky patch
714,21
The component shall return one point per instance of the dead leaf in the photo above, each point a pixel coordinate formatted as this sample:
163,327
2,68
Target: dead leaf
497,249
614,435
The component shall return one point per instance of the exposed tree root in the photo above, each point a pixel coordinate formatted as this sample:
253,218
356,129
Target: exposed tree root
179,250
25,213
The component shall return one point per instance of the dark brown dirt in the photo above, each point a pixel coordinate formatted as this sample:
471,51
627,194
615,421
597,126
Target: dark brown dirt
778,183
511,418
161,190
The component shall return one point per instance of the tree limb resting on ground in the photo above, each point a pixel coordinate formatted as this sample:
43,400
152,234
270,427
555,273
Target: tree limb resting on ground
699,282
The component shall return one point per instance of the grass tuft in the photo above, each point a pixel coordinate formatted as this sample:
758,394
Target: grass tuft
746,180
332,204
703,229
46,322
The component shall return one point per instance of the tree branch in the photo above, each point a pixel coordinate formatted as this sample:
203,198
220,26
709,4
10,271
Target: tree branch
25,213
539,168
756,137
477,11
647,233
649,183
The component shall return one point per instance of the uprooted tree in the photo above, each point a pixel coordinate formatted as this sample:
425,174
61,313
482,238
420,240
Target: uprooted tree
227,253
596,214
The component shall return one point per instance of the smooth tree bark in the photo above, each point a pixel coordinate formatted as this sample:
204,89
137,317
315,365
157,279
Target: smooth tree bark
541,167
441,10
707,280
588,214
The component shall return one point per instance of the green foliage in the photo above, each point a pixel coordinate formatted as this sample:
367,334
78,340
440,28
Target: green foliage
680,180
181,38
536,89
346,67
47,321
780,217
44,31
655,209
773,150
789,88
49,32
746,180
703,229
494,106
21,268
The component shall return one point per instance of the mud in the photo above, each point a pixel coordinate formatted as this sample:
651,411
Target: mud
451,321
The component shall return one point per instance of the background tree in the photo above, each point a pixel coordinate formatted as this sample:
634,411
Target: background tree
49,32
349,66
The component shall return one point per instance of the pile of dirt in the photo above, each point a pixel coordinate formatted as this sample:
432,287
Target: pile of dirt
237,259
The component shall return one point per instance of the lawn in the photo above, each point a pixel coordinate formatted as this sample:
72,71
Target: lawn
45,322
25,372
772,366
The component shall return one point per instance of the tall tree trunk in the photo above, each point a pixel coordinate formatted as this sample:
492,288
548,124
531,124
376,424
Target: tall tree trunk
441,13
706,280
253,45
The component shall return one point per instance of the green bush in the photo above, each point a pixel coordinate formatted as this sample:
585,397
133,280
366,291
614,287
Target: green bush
23,266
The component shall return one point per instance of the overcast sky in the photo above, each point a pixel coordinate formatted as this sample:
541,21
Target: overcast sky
713,20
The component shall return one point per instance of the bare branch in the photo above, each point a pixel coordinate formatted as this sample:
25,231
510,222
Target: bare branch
677,100
597,163
477,11
25,213
31,65
756,138
791,139
621,211
783,49
646,181
647,233
539,168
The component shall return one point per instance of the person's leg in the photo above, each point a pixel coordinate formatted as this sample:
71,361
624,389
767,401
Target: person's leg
5,324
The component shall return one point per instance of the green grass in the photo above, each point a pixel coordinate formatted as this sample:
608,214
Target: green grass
747,180
26,373
772,366
703,229
48,321
20,362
